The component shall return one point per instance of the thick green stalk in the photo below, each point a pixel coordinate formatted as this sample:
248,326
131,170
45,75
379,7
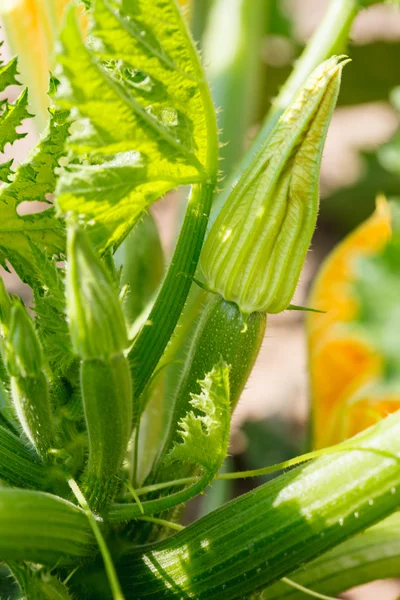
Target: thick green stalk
330,38
106,391
266,534
42,528
99,336
153,339
372,555
232,49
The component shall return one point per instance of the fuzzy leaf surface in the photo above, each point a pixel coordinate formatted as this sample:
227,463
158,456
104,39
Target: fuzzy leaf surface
140,105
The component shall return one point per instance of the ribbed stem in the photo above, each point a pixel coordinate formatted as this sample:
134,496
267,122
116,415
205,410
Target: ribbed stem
152,340
266,534
373,555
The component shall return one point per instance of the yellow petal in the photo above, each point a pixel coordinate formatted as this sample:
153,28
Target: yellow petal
340,364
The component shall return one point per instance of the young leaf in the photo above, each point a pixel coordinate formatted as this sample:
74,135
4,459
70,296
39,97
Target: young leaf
33,181
141,111
11,115
205,431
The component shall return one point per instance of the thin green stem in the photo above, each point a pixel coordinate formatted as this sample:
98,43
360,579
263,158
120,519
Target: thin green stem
329,38
108,563
234,58
135,452
297,460
126,512
135,496
70,575
153,339
344,447
305,590
155,487
163,523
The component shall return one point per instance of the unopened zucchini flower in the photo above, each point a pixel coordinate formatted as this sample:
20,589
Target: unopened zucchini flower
257,245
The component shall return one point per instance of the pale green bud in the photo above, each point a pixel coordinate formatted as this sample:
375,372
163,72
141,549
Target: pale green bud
24,352
96,321
29,387
5,308
256,248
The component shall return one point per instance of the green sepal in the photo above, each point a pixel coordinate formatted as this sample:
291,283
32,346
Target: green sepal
24,352
29,386
96,320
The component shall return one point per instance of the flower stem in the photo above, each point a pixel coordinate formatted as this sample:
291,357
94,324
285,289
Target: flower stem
330,38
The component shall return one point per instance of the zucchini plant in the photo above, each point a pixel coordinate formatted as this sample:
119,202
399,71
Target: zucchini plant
131,119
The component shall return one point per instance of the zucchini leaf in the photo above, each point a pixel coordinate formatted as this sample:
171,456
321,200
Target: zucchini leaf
205,430
34,180
140,104
11,115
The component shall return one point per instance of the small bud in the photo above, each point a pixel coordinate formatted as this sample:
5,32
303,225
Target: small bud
256,248
96,321
29,387
5,309
24,352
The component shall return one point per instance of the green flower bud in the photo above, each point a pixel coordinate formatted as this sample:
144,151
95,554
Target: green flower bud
24,352
96,321
5,308
256,247
29,386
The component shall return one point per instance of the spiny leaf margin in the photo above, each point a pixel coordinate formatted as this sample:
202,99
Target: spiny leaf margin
205,430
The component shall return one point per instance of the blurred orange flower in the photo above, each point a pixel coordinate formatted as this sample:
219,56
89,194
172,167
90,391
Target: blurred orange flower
341,364
31,27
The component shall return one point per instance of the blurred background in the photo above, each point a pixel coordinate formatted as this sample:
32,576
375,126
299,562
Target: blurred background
249,48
